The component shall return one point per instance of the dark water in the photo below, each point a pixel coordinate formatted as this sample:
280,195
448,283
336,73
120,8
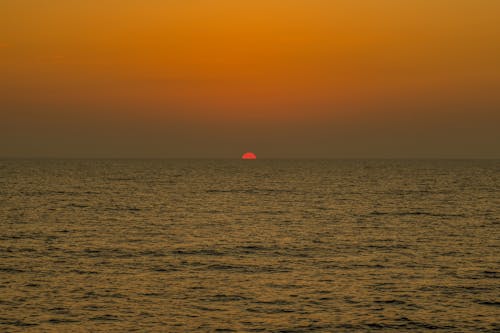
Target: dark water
249,246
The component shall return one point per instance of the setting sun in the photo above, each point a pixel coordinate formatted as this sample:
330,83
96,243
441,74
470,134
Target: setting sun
249,156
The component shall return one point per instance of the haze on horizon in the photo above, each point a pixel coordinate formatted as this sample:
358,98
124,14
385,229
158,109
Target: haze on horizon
213,79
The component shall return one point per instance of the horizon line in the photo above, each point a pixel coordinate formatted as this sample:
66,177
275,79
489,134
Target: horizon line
238,158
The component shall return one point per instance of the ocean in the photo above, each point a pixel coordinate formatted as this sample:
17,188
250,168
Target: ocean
249,246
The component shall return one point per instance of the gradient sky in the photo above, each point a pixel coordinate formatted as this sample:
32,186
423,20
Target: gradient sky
295,78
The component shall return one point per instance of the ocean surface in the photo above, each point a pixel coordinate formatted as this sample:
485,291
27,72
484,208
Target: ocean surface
249,246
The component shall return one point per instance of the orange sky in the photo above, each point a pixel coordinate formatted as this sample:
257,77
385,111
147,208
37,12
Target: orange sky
296,78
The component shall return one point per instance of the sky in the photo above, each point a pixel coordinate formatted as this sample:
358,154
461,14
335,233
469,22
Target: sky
217,78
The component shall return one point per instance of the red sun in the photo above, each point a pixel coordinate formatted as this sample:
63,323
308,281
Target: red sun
248,156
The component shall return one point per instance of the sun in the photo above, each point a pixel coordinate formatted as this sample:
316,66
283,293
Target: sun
249,156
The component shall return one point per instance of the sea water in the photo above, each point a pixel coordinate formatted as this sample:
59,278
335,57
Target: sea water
249,246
